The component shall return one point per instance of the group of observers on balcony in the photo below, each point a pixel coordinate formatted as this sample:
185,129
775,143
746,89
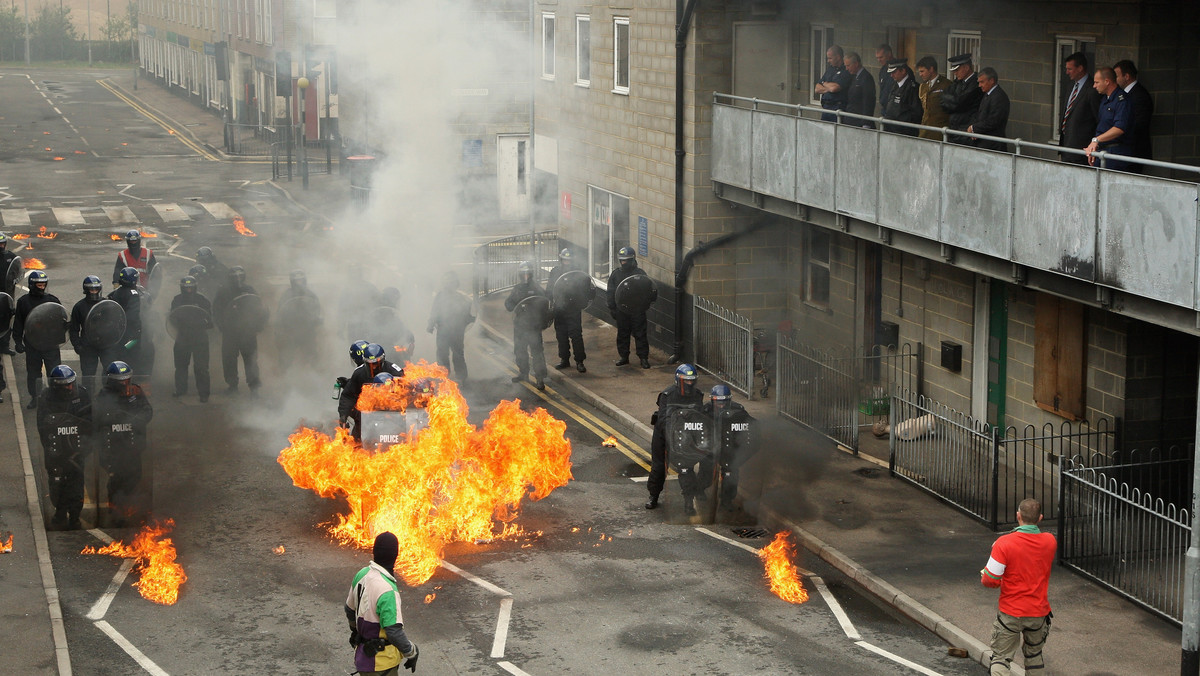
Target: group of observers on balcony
1107,110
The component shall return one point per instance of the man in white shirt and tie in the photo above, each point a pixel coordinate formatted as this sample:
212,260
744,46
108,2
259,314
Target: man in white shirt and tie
1079,111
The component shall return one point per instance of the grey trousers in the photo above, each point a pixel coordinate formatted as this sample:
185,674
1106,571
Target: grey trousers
1008,632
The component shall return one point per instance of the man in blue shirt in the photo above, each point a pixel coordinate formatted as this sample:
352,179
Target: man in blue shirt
1113,122
834,84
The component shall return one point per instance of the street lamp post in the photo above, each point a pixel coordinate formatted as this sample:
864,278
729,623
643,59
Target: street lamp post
26,32
302,84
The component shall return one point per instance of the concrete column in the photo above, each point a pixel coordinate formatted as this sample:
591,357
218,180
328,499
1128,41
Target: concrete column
1189,664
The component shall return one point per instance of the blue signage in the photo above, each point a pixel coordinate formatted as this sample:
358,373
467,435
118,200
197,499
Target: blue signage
643,237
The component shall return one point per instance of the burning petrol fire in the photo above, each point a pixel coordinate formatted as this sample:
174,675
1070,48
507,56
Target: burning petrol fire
6,546
279,550
34,263
46,235
20,236
449,482
610,442
148,235
239,224
161,576
780,571
115,237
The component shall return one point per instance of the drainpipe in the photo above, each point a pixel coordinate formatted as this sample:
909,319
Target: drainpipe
684,9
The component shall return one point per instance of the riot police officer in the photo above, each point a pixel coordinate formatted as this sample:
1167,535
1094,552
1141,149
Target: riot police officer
135,256
733,430
214,274
682,393
89,357
627,324
568,323
64,423
450,316
134,346
35,359
236,341
122,414
191,339
298,320
527,339
6,259
374,363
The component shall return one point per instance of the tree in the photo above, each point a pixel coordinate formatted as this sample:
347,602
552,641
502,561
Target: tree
12,34
53,32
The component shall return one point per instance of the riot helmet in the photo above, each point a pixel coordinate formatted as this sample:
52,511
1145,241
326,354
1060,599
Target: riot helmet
721,396
566,257
525,272
237,275
92,286
133,239
37,282
685,378
188,284
450,281
356,351
118,376
627,259
422,389
382,378
298,279
390,297
62,376
128,277
197,271
204,253
3,241
373,355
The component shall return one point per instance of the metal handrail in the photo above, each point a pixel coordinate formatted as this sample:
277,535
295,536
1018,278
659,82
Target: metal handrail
946,132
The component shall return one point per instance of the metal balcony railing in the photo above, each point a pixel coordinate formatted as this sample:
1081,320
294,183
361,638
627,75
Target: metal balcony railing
1116,229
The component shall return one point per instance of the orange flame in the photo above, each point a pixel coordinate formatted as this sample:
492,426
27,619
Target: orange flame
34,263
59,159
450,482
397,394
20,236
115,237
161,576
780,571
429,598
239,224
610,442
148,235
279,550
6,547
46,235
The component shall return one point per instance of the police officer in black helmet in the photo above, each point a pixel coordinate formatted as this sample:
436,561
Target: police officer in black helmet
134,347
682,392
628,325
527,341
191,342
35,359
89,357
568,323
6,258
64,423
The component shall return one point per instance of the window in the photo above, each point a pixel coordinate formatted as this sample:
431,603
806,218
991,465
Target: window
583,50
1065,46
547,46
258,21
1058,369
816,267
608,230
822,40
621,55
964,42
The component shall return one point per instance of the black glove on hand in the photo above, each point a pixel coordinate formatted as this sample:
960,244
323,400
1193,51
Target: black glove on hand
20,348
411,662
355,639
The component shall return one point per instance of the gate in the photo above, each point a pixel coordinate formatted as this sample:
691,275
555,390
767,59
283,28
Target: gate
496,263
837,395
724,345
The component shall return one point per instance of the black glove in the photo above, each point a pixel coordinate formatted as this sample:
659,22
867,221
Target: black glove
19,347
355,639
342,380
411,662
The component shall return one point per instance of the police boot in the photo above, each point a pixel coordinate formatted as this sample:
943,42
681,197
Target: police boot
652,503
578,367
519,377
59,520
688,508
645,363
562,364
623,361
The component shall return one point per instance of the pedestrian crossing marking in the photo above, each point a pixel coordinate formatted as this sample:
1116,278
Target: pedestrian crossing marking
68,216
171,212
15,218
121,214
221,211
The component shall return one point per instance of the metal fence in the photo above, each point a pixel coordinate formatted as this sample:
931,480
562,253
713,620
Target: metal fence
496,263
838,394
252,140
983,470
723,342
1124,538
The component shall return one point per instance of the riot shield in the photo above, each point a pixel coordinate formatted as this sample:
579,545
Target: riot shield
246,315
66,442
384,326
736,428
188,320
104,325
573,291
297,315
122,445
7,306
635,294
381,429
533,313
689,435
46,326
13,275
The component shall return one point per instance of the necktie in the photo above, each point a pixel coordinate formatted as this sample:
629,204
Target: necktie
1070,104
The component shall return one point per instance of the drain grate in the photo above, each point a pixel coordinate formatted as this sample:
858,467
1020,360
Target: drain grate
750,533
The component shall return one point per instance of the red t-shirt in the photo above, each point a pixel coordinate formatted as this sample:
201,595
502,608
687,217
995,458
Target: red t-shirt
1020,566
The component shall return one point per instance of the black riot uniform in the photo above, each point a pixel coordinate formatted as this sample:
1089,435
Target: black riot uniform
527,341
6,258
214,275
733,429
135,347
363,374
450,317
234,342
64,423
89,357
299,347
627,324
122,415
682,393
568,324
35,359
191,346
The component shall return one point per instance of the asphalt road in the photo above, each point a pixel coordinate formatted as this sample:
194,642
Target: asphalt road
606,587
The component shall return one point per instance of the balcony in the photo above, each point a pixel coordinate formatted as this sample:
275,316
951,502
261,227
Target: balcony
1126,232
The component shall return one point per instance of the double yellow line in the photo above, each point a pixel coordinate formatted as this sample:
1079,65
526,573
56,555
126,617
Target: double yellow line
137,105
584,417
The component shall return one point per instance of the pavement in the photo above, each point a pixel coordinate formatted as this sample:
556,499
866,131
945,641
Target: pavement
913,553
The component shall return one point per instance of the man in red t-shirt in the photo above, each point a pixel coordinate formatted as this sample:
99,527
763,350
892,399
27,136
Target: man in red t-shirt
1020,566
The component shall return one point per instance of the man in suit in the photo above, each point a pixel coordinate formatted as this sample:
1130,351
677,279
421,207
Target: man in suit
861,97
1080,108
1143,110
961,98
992,117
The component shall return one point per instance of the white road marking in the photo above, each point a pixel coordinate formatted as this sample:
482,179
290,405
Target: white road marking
844,620
56,110
502,627
475,578
15,218
512,669
121,214
171,212
68,216
131,650
220,210
32,495
897,659
100,607
644,479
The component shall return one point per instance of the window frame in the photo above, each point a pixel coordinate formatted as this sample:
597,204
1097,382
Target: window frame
618,88
960,41
1072,43
548,65
597,197
812,264
583,52
820,35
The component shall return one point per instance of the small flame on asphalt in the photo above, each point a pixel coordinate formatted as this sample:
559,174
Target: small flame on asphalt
429,598
610,442
46,235
115,237
6,547
779,570
239,224
59,159
147,235
279,550
34,263
20,236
